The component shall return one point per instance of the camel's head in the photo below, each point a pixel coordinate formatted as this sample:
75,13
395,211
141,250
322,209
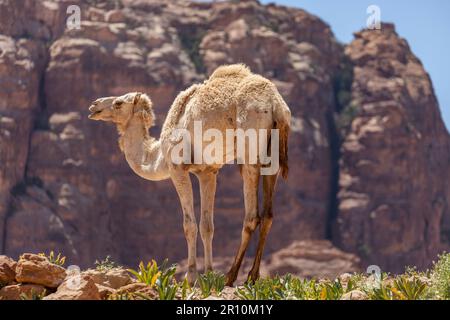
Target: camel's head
122,109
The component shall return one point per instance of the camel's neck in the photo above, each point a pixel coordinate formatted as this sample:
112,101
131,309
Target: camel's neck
142,152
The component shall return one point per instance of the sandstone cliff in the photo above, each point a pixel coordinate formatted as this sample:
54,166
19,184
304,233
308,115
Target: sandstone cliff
369,153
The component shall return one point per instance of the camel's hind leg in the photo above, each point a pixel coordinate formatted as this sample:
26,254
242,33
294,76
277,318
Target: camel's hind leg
250,175
268,190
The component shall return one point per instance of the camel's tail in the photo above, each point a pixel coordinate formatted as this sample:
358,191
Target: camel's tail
282,119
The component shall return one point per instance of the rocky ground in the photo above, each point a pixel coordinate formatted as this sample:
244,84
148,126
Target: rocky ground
38,277
369,152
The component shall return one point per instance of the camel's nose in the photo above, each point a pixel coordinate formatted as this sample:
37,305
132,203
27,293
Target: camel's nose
94,107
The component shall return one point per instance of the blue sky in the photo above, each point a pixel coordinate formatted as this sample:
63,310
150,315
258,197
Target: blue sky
425,24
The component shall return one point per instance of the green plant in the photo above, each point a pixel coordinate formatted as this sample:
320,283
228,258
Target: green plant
332,290
277,288
147,274
166,284
440,277
211,282
105,264
160,277
408,288
53,258
186,291
343,123
190,41
33,295
384,292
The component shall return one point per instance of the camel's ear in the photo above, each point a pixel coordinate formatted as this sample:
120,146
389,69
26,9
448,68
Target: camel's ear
137,96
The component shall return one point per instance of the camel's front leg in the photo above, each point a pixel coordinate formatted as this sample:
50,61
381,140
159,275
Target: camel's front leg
183,185
207,182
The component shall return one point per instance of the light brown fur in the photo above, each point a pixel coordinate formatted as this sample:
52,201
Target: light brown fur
232,98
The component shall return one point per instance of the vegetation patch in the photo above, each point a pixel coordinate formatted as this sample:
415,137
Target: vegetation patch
190,40
346,109
157,281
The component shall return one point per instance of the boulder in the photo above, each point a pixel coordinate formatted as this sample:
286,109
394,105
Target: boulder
22,292
76,287
7,270
104,291
36,269
139,287
113,278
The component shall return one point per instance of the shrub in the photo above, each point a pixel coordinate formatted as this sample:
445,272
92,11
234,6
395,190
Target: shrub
440,277
159,277
53,258
33,295
147,274
105,264
408,288
211,282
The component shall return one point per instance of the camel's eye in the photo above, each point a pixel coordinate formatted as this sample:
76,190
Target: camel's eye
117,104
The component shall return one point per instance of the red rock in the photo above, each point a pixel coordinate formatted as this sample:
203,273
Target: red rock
7,270
22,291
393,185
139,288
36,269
113,278
78,287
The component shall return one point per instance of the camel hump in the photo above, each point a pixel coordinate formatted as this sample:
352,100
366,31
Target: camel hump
177,109
232,70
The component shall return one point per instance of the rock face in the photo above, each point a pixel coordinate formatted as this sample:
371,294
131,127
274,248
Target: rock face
65,186
393,192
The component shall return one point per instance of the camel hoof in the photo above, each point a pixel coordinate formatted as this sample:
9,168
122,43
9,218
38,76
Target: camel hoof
191,277
230,280
252,277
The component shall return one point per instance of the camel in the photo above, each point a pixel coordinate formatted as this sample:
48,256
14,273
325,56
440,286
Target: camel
233,97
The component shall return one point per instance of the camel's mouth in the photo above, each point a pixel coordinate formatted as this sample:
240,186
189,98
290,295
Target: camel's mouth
95,111
93,115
